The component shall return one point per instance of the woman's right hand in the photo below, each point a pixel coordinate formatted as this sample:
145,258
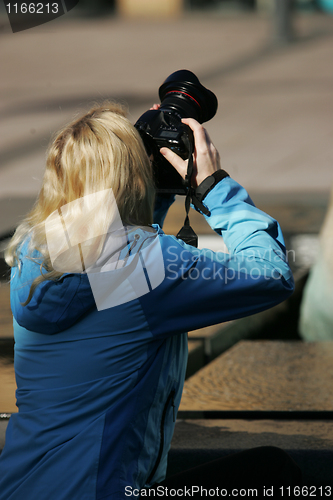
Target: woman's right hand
206,158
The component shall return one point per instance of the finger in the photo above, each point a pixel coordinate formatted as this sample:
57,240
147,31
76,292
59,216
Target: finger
201,138
195,126
176,161
208,140
155,106
213,151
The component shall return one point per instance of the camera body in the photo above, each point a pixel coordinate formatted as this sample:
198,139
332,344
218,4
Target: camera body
182,96
158,129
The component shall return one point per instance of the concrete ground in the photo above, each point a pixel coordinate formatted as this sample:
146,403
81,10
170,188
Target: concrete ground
273,127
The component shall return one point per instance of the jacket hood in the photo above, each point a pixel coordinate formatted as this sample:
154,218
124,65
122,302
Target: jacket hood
125,270
55,305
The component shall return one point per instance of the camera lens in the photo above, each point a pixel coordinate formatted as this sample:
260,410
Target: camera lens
182,96
183,93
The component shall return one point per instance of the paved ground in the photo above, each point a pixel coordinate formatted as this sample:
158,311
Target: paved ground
274,124
308,442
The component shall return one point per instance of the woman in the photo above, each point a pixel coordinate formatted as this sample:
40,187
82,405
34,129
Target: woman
100,348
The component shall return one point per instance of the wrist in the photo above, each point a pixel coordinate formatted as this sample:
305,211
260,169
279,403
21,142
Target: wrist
209,183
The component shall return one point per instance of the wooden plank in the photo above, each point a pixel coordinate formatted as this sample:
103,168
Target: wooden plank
6,318
264,376
7,387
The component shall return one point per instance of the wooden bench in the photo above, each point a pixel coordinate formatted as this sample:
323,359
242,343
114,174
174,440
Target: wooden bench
7,376
264,376
8,387
6,318
260,393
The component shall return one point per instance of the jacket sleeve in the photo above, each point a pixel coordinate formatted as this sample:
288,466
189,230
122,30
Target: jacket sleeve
202,287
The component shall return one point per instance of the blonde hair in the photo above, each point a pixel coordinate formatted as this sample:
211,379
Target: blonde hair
99,151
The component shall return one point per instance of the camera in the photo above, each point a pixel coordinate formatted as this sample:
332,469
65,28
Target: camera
182,96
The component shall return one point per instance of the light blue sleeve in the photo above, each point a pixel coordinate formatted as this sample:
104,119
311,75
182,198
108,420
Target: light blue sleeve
202,287
252,237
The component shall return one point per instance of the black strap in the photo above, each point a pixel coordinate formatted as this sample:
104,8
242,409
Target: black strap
187,234
199,206
203,189
207,184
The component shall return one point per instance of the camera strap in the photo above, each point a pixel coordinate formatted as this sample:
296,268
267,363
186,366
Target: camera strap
187,234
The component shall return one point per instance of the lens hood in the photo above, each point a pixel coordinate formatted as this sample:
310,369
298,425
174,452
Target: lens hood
182,90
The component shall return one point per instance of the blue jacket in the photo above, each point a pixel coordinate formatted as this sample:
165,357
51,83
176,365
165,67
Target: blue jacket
98,390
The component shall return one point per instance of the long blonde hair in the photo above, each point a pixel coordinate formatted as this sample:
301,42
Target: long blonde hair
99,151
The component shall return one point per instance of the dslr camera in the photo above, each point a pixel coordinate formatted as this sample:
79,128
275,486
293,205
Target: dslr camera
182,96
